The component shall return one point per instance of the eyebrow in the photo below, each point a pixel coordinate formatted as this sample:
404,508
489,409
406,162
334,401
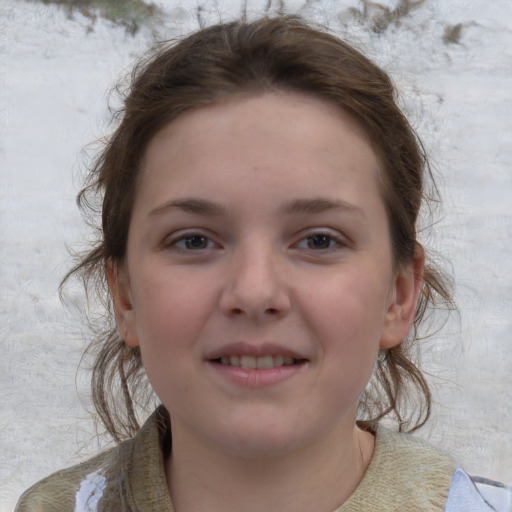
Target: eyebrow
320,205
298,206
191,205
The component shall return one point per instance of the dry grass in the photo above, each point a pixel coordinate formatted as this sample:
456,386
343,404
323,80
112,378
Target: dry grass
131,14
271,6
380,16
452,34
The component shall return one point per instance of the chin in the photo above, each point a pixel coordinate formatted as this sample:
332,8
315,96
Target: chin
263,441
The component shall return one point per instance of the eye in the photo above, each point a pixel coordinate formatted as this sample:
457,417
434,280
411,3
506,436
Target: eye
320,241
193,242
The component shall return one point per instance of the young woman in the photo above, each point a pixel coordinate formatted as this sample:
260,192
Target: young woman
259,208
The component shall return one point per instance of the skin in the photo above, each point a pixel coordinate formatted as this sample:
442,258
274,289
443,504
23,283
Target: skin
259,228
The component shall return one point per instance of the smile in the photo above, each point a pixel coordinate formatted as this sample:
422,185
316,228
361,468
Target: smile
255,366
259,363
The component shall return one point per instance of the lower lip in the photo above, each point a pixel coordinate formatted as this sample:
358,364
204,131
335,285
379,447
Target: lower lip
255,378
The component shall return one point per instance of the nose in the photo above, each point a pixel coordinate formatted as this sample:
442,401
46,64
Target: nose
255,287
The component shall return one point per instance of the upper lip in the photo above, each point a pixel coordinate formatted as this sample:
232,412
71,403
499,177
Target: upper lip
242,348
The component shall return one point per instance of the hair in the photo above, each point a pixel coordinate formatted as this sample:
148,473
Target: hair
250,58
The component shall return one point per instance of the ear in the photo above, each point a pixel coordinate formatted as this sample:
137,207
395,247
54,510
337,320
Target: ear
119,285
404,299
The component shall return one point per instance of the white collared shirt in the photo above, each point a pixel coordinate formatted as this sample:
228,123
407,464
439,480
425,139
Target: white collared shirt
477,495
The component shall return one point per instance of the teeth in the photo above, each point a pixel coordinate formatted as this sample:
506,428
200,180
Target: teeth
260,363
287,360
248,362
265,362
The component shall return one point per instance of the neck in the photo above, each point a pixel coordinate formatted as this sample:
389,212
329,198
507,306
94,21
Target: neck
319,477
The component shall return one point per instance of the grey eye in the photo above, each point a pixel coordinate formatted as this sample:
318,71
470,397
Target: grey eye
195,242
319,241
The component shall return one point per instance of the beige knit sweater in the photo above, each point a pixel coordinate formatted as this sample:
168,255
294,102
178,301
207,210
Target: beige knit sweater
405,474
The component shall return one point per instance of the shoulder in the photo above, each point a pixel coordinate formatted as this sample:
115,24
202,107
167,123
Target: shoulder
405,473
475,494
430,466
118,476
419,457
61,491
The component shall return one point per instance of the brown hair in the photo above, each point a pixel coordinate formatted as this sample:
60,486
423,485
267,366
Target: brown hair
240,58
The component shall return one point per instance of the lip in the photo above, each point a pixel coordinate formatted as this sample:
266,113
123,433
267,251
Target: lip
249,377
255,378
242,348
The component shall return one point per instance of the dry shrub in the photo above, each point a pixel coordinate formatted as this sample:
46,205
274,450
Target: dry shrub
131,14
452,34
379,16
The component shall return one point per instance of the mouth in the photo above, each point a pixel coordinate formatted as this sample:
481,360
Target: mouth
253,366
265,362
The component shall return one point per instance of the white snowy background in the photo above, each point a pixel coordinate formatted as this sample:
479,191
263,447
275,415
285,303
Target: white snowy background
55,73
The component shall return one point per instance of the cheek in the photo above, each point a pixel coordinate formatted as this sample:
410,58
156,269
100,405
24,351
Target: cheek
352,304
170,308
169,321
347,318
170,316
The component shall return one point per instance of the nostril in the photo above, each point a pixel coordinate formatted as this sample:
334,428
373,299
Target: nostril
272,311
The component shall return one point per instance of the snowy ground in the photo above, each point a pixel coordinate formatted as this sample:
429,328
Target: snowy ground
54,76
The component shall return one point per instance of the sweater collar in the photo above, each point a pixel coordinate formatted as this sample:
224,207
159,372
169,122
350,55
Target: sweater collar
405,473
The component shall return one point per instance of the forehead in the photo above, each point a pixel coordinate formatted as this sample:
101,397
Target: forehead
295,109
264,140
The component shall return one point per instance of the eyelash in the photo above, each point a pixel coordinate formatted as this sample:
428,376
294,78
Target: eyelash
323,236
188,238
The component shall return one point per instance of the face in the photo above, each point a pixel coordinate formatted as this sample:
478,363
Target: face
259,281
